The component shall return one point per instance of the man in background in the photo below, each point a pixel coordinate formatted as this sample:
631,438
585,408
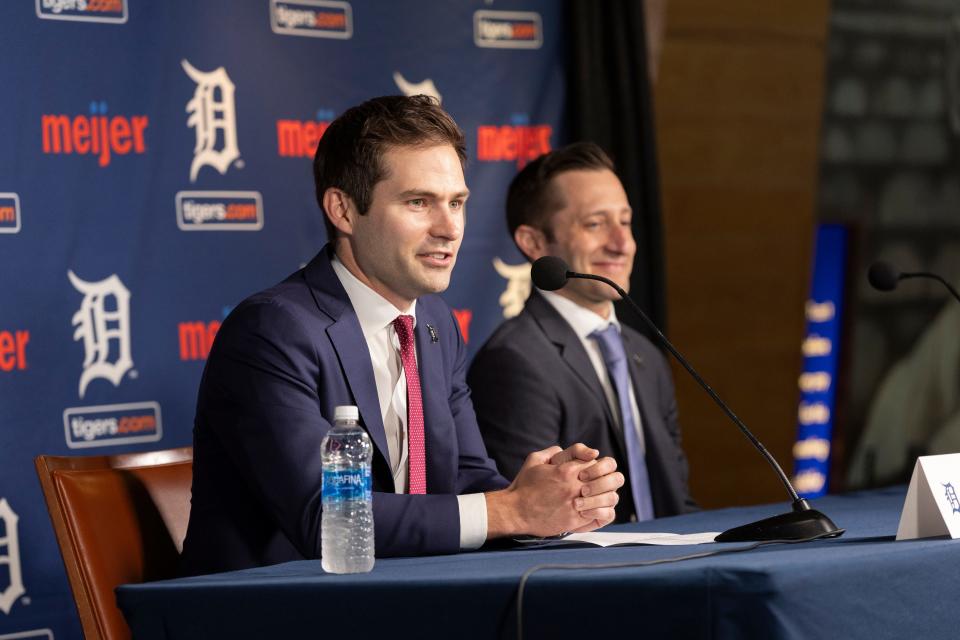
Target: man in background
565,370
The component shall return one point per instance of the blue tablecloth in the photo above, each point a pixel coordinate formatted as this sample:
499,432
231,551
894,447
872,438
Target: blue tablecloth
863,585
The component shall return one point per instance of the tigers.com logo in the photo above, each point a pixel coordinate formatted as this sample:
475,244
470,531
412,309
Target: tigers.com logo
219,211
519,142
314,18
83,10
112,424
507,29
213,116
9,213
98,134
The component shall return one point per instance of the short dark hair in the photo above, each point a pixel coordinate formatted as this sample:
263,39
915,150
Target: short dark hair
350,153
532,198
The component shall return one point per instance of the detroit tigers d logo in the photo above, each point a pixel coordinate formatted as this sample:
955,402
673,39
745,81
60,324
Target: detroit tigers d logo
102,321
518,286
9,556
213,116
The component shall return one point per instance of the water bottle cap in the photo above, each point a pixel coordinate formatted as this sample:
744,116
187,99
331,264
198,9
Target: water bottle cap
346,412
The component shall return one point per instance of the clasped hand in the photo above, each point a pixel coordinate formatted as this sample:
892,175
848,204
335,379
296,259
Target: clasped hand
560,490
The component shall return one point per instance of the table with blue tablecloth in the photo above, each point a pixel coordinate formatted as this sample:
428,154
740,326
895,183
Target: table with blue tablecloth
862,585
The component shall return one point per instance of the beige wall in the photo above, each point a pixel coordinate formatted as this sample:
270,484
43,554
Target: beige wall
738,104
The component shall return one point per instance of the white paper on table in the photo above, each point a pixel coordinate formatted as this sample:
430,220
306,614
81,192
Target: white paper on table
611,539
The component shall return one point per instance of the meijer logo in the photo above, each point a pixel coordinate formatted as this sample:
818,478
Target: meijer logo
196,338
83,10
98,134
213,116
9,213
112,424
314,18
219,211
10,556
519,142
299,139
463,318
103,332
13,350
507,29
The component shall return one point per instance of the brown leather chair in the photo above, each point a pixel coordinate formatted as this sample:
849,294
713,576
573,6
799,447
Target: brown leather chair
119,519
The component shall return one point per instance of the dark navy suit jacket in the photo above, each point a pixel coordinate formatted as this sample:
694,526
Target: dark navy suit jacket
534,386
281,362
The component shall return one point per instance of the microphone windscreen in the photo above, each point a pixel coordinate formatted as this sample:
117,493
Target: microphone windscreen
883,276
549,273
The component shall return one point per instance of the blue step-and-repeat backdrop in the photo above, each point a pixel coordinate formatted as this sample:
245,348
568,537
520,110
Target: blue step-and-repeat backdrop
155,169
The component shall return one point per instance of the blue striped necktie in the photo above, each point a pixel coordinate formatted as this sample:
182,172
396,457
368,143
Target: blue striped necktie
615,357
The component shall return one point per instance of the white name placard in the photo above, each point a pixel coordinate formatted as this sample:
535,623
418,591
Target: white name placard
932,507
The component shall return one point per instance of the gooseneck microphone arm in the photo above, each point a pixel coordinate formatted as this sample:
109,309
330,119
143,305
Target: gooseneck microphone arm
696,376
803,522
933,276
883,276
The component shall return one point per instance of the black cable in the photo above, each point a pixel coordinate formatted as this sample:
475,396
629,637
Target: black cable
626,565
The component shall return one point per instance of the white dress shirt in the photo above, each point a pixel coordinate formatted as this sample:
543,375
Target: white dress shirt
584,322
376,315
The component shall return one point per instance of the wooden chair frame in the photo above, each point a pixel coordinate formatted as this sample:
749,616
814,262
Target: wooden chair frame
154,509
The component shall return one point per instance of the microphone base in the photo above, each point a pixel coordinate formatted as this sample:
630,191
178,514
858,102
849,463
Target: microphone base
803,522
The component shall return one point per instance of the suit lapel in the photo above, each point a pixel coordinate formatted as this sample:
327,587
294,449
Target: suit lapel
571,350
433,387
347,338
644,385
351,347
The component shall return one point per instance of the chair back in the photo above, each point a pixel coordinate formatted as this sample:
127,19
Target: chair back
118,519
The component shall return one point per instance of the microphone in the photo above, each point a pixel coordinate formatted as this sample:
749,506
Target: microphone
550,273
883,276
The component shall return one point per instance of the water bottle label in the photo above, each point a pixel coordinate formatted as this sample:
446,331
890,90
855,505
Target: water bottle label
348,484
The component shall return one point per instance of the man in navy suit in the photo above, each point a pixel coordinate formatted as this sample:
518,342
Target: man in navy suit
359,325
565,370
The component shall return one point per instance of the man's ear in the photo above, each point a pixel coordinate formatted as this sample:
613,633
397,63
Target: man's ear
531,241
339,209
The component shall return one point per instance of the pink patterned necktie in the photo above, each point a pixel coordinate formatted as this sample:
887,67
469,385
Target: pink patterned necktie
416,455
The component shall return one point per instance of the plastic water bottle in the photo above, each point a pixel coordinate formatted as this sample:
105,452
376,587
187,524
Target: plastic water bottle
346,528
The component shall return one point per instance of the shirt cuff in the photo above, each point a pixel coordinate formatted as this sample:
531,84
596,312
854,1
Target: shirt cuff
473,521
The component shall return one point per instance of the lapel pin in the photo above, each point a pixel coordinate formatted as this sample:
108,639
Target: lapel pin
433,333
637,358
